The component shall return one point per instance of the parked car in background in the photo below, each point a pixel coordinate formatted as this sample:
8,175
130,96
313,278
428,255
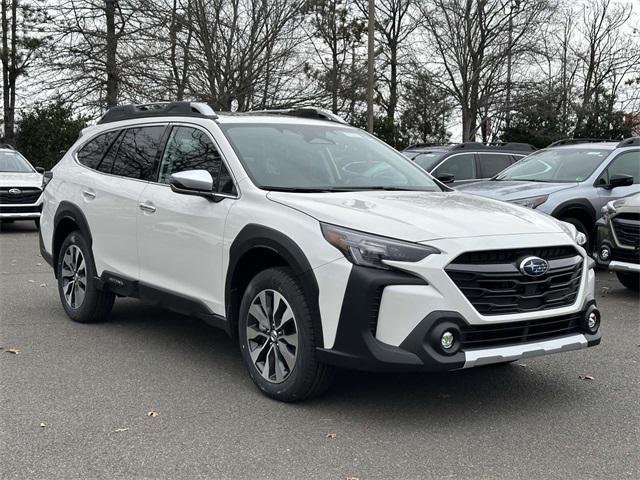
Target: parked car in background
467,162
569,180
20,187
618,237
255,223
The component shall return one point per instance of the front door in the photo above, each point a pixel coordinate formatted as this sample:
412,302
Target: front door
180,236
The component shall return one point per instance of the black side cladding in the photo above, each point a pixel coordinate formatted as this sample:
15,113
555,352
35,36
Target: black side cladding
254,236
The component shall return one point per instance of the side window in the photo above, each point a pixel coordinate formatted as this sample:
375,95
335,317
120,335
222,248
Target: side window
624,164
91,154
462,167
192,149
106,164
137,153
492,163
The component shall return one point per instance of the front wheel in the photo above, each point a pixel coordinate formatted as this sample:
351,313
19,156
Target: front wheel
277,339
631,280
77,285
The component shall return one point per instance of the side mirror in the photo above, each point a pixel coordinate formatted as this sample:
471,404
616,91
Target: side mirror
446,178
40,170
620,180
194,182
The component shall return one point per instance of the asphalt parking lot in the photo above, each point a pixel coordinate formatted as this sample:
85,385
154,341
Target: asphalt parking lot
75,401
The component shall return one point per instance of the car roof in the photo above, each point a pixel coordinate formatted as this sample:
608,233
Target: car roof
587,146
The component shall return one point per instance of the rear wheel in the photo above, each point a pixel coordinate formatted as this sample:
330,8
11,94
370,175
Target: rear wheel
276,336
77,285
631,280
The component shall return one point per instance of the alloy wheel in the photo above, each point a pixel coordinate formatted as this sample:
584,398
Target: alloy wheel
74,276
272,336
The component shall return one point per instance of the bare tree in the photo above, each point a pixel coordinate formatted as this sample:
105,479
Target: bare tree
471,41
21,40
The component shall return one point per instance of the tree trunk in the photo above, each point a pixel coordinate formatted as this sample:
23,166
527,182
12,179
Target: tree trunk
8,70
112,46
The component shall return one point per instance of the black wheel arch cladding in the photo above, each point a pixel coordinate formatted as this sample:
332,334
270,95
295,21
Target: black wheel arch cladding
68,212
254,236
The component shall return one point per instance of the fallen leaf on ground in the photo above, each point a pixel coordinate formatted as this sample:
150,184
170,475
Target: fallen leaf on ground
43,284
123,429
38,264
523,365
604,291
585,377
330,435
15,351
42,424
352,478
32,281
152,414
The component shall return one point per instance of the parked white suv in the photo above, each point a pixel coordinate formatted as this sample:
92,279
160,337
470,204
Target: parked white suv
256,223
20,187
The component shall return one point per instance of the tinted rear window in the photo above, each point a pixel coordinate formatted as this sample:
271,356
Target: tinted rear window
137,153
91,154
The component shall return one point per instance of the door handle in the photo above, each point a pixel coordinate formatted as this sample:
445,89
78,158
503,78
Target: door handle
89,194
145,207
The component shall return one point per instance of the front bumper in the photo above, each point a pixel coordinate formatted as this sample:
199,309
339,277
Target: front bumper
620,258
20,212
357,348
389,319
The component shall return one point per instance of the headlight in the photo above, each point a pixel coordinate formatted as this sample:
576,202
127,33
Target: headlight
531,202
609,209
578,237
371,250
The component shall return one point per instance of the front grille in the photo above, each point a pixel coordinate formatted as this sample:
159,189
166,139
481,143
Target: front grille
492,282
27,195
486,336
26,209
625,255
627,229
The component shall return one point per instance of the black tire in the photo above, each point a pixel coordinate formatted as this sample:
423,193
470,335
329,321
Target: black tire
308,377
581,227
631,280
96,304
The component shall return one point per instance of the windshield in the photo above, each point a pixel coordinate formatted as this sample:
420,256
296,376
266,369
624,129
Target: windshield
322,158
562,165
429,160
13,162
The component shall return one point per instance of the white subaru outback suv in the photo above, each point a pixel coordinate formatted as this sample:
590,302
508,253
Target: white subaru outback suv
257,223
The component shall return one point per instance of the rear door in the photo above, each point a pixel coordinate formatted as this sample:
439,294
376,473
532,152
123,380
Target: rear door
492,163
181,236
111,195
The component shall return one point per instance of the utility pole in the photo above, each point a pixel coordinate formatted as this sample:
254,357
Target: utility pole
370,78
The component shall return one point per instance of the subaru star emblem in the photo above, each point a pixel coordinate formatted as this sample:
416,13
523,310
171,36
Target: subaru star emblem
534,266
15,191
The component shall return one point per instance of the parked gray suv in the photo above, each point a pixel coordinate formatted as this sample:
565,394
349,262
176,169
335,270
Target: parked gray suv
569,180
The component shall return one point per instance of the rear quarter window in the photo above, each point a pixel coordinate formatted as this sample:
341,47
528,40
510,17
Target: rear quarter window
92,152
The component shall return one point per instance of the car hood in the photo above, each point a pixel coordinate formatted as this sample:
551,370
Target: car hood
508,190
11,179
419,216
632,201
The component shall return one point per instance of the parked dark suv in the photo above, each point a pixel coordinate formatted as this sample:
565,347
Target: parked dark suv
461,163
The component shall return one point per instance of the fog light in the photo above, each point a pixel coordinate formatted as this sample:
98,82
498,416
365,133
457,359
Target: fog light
447,339
592,321
605,253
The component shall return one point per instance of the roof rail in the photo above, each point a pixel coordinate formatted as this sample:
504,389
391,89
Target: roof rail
162,109
7,145
629,142
304,112
428,144
576,141
518,146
